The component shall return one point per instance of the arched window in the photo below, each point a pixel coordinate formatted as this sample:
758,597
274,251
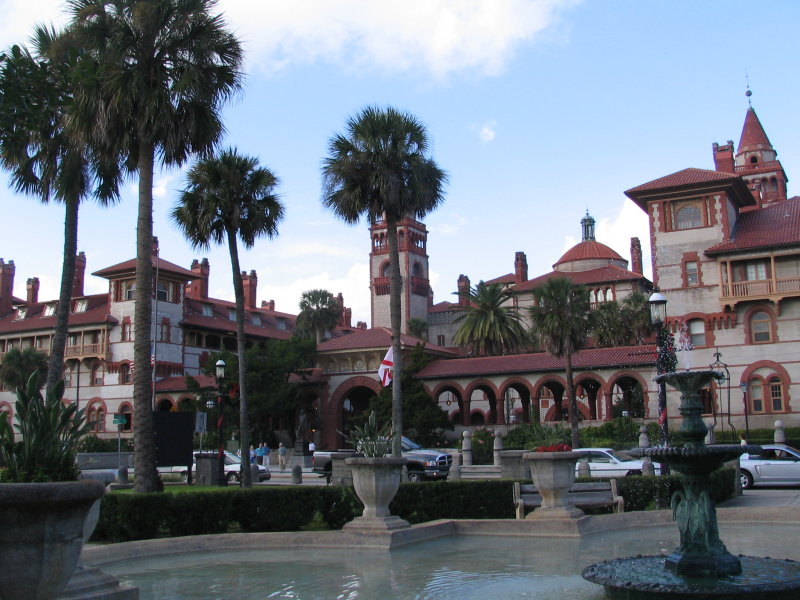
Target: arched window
126,332
97,374
776,394
416,270
760,327
385,269
773,184
127,411
697,332
688,217
756,396
125,374
753,160
97,418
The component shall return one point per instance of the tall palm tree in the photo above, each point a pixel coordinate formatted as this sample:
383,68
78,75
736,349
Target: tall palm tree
381,169
636,314
156,75
230,197
47,161
608,325
319,312
489,325
559,323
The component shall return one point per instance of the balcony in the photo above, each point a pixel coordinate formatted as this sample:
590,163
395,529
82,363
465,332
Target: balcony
775,289
86,350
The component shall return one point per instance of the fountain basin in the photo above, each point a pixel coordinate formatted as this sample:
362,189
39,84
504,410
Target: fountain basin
647,577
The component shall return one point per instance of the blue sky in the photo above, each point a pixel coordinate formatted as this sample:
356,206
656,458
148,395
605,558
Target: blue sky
538,111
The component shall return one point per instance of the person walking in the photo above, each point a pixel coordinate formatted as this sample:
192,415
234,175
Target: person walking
266,455
281,456
260,454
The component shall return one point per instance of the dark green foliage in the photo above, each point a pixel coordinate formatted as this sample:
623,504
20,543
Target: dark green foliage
423,420
338,505
643,493
482,446
50,431
622,432
126,517
490,324
275,509
18,365
428,501
92,443
182,516
533,435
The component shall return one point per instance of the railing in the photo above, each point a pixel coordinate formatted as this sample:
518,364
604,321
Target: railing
761,287
764,166
84,350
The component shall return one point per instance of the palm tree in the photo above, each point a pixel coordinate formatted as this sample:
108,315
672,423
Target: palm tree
489,325
608,325
380,169
18,365
44,159
155,78
636,314
229,196
319,313
418,328
559,323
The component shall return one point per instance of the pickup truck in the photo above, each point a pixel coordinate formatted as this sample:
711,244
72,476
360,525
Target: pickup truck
423,464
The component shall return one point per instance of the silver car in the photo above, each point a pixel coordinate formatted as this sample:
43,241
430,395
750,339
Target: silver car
605,462
777,464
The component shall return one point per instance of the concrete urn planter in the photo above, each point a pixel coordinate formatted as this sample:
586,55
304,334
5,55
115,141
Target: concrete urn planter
376,481
553,474
42,535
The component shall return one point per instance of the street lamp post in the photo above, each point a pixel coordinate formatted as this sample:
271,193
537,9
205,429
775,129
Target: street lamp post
220,373
743,387
658,315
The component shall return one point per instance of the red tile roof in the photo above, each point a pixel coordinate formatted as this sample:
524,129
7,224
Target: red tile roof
507,278
770,227
604,274
690,178
129,266
753,135
443,307
96,313
219,320
376,337
594,358
589,250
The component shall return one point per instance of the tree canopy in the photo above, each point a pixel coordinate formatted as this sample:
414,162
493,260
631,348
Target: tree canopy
490,324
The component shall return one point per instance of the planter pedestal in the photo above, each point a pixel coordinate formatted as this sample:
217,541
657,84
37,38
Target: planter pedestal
553,473
376,481
41,536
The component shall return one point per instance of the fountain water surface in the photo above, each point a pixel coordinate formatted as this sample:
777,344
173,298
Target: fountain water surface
701,566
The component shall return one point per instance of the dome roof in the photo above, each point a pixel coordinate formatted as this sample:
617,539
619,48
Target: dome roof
588,250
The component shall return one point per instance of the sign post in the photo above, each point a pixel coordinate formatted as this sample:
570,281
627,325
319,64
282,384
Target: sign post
120,419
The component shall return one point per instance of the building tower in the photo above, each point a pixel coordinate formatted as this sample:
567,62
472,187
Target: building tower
412,242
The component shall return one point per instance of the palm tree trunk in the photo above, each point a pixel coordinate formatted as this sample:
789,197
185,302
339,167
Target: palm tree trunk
143,434
244,423
573,404
395,287
55,366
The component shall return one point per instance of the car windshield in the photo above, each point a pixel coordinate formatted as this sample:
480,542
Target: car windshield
407,444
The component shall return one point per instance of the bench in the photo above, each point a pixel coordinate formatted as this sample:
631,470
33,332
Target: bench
593,494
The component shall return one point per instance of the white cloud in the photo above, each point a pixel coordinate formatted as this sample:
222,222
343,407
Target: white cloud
452,226
487,131
617,232
438,37
19,18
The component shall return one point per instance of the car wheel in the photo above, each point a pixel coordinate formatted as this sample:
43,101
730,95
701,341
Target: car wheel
630,473
415,476
746,479
233,477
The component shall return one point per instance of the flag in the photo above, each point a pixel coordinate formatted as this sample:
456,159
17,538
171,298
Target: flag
386,369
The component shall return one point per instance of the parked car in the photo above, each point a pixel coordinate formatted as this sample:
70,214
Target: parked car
605,462
232,468
777,464
423,464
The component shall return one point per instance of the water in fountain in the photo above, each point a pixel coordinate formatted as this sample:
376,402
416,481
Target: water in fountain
701,566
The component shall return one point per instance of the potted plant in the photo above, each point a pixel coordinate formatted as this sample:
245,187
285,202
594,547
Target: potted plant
553,471
376,477
43,504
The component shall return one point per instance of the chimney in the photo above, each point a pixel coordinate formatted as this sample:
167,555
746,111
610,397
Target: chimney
268,305
343,322
347,317
6,286
80,274
33,290
723,157
155,247
197,288
463,290
250,283
361,325
636,256
520,267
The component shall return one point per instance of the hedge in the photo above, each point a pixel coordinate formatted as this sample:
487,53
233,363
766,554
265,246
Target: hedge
131,516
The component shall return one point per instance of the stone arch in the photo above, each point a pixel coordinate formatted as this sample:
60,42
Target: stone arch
459,400
523,389
551,387
492,397
165,404
358,390
589,386
628,379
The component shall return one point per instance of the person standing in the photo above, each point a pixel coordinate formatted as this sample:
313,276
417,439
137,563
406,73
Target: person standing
260,454
266,455
311,447
281,456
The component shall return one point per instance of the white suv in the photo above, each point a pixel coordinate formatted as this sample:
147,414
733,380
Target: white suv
233,467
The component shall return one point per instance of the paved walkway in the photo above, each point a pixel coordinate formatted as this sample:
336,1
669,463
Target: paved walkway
774,497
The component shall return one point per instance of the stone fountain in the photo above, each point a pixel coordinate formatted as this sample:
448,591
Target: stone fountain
701,567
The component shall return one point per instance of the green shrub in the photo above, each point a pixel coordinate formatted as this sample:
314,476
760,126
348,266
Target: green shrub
196,513
126,517
482,446
533,435
432,500
338,505
275,508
